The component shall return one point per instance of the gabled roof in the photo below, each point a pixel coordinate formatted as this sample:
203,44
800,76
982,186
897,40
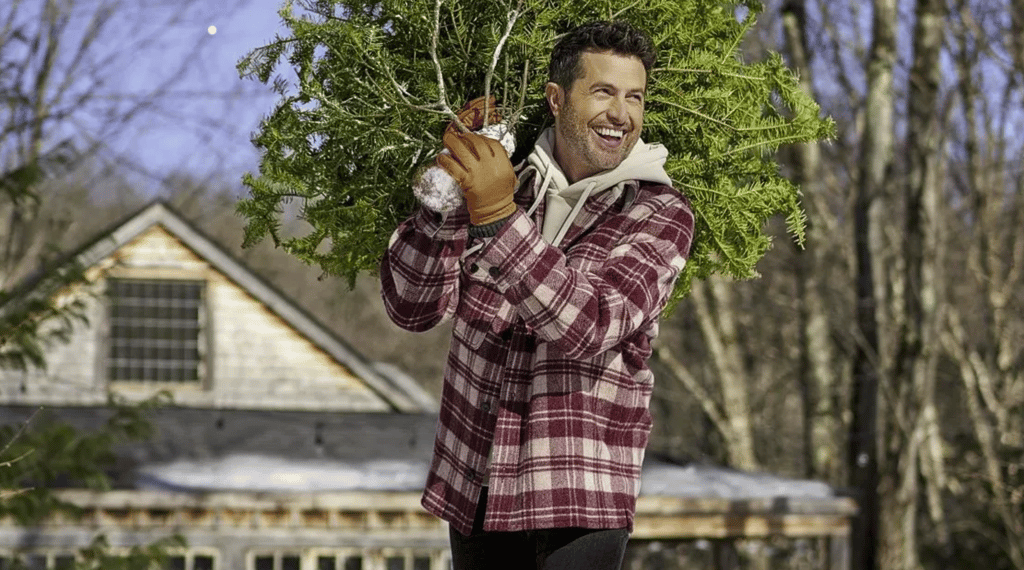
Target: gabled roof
403,395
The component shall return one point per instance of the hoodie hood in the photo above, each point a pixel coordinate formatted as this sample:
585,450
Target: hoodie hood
563,201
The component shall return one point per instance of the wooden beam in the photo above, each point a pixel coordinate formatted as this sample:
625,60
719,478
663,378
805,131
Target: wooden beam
657,518
739,526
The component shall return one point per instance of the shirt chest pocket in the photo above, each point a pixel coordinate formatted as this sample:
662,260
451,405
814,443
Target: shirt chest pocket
482,310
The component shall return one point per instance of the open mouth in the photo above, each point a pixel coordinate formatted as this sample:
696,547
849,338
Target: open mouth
610,135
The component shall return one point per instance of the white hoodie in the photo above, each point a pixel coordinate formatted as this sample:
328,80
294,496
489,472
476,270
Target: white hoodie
564,201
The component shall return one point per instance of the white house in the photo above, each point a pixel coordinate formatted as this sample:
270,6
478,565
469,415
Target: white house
285,449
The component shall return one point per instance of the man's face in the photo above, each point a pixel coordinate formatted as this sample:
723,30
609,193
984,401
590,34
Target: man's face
598,120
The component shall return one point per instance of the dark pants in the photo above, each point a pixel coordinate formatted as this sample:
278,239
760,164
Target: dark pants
547,549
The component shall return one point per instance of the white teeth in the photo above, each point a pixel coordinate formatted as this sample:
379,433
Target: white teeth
610,132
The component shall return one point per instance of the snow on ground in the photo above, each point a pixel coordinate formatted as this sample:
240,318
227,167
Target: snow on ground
256,473
666,479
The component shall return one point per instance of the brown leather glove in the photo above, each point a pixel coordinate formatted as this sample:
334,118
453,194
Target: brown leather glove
481,167
472,114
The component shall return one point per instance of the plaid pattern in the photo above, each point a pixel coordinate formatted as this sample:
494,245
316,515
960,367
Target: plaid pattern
548,357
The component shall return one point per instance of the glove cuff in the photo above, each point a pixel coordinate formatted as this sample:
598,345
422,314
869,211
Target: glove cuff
481,216
488,230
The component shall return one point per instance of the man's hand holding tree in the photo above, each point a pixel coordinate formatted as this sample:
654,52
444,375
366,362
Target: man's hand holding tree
480,165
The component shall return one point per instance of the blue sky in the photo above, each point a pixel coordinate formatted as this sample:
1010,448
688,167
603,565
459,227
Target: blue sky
203,127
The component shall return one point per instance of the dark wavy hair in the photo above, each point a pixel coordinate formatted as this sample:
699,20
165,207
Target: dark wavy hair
618,37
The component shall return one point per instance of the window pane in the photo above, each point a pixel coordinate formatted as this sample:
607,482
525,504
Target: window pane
354,563
421,563
155,330
35,562
325,563
64,562
289,562
176,563
202,563
264,563
394,563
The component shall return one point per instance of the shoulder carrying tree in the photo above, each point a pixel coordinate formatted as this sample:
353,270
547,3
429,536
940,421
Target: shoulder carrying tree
377,82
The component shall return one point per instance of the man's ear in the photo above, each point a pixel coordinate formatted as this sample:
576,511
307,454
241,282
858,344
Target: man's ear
555,97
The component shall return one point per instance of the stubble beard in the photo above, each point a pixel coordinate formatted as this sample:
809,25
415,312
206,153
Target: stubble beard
578,135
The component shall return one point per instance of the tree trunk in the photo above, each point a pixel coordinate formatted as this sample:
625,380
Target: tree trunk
988,356
715,306
875,163
817,376
1017,32
913,382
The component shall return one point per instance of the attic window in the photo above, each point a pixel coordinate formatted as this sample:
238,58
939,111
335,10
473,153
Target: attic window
155,330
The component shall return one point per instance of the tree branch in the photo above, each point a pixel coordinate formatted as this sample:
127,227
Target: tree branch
513,15
17,434
707,403
442,92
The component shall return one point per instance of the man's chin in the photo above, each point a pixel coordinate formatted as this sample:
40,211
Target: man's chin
607,161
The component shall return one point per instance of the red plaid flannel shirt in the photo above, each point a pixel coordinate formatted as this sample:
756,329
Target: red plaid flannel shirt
548,358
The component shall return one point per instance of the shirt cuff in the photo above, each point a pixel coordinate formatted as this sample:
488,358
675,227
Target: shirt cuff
487,230
510,257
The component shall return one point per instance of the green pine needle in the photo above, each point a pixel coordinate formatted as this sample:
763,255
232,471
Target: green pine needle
363,115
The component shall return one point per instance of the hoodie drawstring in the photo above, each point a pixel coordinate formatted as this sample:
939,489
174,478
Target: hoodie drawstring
572,215
549,173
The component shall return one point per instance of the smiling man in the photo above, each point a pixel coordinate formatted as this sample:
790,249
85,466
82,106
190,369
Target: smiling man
598,105
555,274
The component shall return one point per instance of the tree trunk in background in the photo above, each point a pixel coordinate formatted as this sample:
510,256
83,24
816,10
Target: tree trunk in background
23,246
817,373
983,336
924,301
715,306
875,163
910,429
1017,33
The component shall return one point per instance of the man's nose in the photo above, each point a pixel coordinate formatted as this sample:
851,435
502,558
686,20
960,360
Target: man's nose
617,110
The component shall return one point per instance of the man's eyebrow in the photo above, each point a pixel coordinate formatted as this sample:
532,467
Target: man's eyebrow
599,84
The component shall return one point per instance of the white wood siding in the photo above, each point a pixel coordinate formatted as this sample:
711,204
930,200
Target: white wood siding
254,359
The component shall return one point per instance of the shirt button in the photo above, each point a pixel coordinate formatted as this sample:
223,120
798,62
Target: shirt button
494,272
473,475
486,406
473,268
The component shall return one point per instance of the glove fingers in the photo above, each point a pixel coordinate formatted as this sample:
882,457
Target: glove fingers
452,167
483,146
464,147
473,112
492,146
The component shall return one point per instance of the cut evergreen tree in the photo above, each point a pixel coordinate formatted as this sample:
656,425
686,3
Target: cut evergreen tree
377,82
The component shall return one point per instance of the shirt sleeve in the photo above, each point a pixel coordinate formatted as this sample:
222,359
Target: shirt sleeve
584,313
419,274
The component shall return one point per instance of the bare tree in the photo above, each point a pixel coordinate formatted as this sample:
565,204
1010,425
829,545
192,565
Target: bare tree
910,430
818,376
875,163
983,330
726,400
902,322
65,97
